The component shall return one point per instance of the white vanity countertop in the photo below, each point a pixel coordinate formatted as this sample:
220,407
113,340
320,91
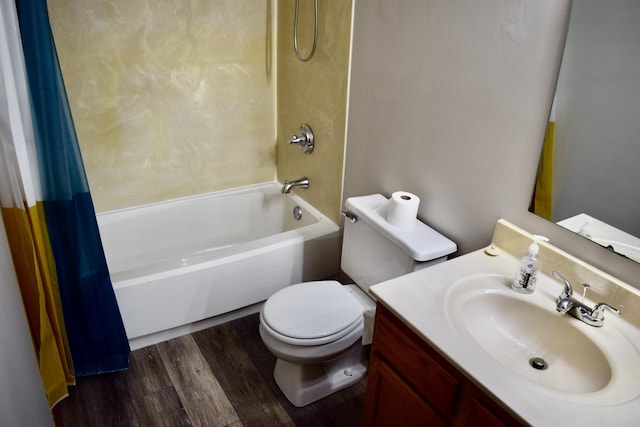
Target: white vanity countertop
420,300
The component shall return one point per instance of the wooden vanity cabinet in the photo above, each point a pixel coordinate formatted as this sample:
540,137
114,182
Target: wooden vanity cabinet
411,384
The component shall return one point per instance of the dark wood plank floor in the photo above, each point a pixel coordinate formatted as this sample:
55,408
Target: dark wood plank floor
221,376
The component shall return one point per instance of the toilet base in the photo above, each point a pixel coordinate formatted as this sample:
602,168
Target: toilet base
303,384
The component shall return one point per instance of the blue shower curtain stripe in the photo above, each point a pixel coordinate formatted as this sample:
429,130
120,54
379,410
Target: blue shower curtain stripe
95,331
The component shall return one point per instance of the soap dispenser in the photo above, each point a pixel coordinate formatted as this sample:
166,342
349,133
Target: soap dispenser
525,279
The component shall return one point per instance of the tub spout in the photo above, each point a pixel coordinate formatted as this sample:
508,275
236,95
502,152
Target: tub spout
298,183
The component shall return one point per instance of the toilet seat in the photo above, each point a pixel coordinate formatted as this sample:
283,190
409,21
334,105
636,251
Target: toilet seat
312,313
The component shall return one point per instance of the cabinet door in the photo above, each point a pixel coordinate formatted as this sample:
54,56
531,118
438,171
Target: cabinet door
391,402
421,367
477,410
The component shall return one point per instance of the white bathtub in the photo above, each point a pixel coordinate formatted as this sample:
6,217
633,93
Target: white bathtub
178,262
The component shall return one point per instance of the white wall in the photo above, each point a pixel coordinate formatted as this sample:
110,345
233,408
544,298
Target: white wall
22,397
449,100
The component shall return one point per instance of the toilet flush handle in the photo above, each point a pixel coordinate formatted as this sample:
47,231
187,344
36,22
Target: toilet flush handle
350,216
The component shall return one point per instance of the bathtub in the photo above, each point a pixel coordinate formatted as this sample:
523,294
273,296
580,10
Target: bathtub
180,262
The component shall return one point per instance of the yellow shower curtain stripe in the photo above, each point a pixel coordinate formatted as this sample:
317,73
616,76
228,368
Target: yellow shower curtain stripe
48,269
33,262
543,197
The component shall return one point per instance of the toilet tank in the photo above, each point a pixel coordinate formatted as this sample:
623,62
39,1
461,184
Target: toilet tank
373,250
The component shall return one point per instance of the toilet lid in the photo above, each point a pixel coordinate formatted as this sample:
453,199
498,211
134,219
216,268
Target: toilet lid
312,310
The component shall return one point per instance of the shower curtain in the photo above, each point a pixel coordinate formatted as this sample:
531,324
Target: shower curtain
542,200
542,203
51,225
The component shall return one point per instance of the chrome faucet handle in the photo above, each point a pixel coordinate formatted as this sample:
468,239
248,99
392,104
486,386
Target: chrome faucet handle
597,312
297,139
304,139
567,291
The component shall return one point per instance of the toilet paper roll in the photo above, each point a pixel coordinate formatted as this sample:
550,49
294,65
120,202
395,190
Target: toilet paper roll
403,209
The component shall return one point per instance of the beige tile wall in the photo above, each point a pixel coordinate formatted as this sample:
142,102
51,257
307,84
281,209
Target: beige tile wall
170,98
178,97
315,93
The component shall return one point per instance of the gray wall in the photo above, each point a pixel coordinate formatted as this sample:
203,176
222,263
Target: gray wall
598,121
449,100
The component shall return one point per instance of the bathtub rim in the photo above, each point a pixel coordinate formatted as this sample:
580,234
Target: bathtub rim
271,186
199,261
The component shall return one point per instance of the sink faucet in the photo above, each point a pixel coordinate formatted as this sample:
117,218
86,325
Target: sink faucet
567,304
298,183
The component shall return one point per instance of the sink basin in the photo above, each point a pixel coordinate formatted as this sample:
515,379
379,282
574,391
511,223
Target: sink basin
536,343
526,335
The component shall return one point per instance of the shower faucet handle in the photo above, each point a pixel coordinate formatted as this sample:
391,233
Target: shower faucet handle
304,138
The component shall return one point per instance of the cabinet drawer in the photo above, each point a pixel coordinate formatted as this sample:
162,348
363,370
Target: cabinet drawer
428,373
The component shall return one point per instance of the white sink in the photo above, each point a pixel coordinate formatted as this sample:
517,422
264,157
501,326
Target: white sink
465,308
527,336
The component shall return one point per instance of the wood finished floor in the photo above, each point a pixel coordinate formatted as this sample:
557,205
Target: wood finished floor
221,376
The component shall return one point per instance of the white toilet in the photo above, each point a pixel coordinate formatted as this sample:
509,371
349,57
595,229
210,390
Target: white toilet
315,329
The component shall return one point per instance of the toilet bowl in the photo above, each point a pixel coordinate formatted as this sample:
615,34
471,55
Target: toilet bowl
315,329
311,321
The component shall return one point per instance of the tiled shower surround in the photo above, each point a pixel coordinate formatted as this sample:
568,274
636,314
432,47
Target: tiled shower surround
179,97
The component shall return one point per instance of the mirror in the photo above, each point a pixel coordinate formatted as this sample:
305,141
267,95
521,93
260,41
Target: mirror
589,175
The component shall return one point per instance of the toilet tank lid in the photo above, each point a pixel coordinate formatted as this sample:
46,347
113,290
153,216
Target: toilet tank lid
420,242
